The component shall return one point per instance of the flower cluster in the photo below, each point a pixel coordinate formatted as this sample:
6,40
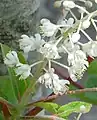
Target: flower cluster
63,37
23,70
52,81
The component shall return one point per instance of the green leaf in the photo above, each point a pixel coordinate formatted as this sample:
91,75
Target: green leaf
1,116
21,58
50,107
11,91
65,110
6,89
90,83
16,87
93,67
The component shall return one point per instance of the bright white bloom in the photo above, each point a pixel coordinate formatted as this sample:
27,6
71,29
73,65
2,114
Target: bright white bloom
86,24
69,4
77,70
61,86
30,43
75,37
52,81
75,56
23,70
48,28
11,59
66,23
90,48
95,1
67,44
49,51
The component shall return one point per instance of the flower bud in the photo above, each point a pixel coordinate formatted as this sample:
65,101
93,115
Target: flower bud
75,37
82,109
57,4
95,1
69,4
88,4
86,24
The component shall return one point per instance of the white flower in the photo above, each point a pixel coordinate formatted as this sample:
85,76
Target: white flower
69,4
66,23
48,28
67,44
52,81
30,43
77,70
23,70
90,48
86,24
75,37
75,56
49,51
11,59
61,86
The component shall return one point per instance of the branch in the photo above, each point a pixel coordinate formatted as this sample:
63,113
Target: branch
45,117
50,98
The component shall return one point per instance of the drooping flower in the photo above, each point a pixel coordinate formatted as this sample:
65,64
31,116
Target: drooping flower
90,48
77,70
67,44
61,86
50,51
48,28
31,43
23,70
75,56
11,59
52,81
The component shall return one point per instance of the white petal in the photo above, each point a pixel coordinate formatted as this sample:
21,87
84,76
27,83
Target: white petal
23,70
24,37
44,20
11,59
64,82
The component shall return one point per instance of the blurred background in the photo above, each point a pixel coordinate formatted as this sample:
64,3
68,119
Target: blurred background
19,17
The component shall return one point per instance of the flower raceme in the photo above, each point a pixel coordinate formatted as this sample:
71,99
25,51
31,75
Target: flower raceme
53,43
